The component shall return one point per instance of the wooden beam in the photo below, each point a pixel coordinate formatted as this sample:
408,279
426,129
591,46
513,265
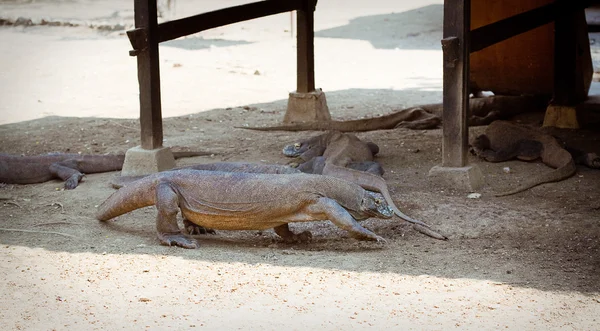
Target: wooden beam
189,25
305,47
494,33
148,75
455,47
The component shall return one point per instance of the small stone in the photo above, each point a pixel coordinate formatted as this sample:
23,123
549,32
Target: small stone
474,196
506,170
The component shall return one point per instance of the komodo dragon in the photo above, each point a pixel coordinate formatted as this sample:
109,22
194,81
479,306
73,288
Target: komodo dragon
483,111
70,168
242,201
504,141
344,149
245,167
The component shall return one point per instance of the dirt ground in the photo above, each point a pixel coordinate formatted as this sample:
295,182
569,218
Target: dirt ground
528,261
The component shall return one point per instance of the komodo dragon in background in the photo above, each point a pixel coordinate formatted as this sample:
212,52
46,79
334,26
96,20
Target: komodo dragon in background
482,112
504,141
15,169
344,149
243,201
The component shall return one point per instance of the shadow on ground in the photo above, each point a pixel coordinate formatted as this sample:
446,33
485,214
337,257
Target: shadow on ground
414,29
197,43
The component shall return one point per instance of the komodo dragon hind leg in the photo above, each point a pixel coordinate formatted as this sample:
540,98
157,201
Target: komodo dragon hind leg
167,204
68,171
370,182
193,228
290,237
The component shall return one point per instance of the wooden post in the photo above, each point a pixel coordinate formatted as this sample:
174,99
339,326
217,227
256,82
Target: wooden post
565,61
455,46
305,47
148,75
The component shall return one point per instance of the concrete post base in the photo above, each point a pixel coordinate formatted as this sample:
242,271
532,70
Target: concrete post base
561,117
139,161
307,107
467,178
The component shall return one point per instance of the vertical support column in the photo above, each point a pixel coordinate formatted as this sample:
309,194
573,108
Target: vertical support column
571,70
305,47
454,171
150,157
306,104
149,75
455,45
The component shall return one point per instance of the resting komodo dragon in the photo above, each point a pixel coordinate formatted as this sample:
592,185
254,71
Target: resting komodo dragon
243,201
504,141
482,112
344,149
15,169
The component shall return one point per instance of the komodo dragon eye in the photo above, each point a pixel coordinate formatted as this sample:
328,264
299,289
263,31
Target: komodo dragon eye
377,201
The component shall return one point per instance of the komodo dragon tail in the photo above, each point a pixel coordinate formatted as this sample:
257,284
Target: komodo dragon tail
556,175
128,198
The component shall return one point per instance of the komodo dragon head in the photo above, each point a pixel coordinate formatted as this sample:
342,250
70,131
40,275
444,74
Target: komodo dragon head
372,205
315,146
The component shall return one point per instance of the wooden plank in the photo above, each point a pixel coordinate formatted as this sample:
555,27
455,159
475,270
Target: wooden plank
149,76
455,46
305,47
493,33
193,24
519,65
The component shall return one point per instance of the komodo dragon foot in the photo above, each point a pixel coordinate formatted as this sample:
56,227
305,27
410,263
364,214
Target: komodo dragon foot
194,229
177,239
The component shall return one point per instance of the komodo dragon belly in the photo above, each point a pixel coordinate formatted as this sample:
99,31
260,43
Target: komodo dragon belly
258,211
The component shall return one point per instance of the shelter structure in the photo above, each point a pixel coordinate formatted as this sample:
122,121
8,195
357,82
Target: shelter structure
504,46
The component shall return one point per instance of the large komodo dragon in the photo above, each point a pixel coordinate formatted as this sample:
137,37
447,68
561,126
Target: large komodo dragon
15,169
243,201
482,112
244,167
345,156
504,141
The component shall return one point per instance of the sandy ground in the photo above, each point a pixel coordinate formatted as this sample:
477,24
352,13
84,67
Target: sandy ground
529,261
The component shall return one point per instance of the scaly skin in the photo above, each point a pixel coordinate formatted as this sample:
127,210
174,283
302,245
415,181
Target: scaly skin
246,167
70,168
504,141
242,201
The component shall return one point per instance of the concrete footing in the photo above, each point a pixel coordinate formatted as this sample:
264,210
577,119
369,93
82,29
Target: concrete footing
139,161
561,117
307,107
467,178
